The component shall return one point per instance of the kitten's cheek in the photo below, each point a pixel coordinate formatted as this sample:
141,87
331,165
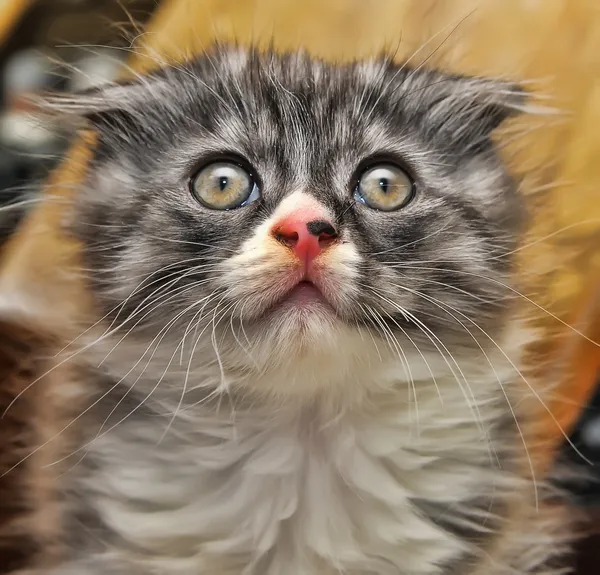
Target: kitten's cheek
336,274
260,275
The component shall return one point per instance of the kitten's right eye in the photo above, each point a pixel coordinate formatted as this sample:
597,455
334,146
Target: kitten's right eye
224,186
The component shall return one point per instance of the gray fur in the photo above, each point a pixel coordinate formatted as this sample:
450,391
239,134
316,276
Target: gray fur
380,442
303,124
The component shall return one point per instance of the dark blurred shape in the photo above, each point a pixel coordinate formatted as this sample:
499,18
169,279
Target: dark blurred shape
58,45
586,439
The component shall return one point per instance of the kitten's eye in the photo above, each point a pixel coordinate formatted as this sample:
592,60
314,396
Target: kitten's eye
384,187
224,186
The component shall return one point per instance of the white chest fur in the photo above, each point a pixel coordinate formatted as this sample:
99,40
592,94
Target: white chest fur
289,491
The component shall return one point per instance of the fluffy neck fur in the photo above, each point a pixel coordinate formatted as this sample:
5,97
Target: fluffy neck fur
240,485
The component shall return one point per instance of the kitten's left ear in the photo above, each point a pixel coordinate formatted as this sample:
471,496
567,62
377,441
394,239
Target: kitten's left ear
490,102
504,99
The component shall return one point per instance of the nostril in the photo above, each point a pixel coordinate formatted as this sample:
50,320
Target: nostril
321,228
287,238
324,231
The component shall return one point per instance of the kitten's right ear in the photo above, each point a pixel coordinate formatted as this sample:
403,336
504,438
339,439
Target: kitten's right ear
104,107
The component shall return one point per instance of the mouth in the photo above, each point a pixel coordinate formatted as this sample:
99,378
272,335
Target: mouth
292,295
304,293
305,298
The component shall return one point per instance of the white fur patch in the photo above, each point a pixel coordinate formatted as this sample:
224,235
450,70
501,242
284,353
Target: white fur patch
301,487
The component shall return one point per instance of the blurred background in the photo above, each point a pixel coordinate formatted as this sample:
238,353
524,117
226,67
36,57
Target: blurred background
71,45
52,45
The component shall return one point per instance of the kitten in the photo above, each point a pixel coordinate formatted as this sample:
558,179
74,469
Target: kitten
308,359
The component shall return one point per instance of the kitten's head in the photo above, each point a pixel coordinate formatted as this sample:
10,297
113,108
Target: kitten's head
274,207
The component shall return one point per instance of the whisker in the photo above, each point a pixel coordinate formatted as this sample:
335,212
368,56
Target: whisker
443,305
171,295
518,293
236,335
395,248
178,277
122,304
548,236
399,352
474,409
460,290
185,382
200,244
434,338
412,341
160,336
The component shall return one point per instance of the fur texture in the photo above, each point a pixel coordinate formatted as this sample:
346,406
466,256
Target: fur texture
228,430
28,499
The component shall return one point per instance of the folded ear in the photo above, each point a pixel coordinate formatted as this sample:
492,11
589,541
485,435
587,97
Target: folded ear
490,101
102,108
463,111
455,104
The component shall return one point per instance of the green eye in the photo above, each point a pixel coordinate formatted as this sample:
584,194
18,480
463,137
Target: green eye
224,186
384,187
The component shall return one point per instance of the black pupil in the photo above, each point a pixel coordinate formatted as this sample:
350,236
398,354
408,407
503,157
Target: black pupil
384,184
223,182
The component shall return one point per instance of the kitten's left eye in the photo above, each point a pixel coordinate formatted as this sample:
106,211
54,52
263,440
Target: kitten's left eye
224,186
384,187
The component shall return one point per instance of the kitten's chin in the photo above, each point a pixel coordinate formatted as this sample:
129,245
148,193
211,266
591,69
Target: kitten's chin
302,321
304,354
300,325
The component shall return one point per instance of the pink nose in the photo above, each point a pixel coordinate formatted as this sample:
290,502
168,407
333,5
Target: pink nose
307,239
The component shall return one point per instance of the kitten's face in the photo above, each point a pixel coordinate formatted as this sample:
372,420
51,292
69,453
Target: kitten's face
282,206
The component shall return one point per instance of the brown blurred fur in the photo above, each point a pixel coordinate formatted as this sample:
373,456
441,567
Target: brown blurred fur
28,523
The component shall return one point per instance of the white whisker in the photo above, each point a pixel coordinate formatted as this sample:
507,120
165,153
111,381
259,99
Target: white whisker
518,293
